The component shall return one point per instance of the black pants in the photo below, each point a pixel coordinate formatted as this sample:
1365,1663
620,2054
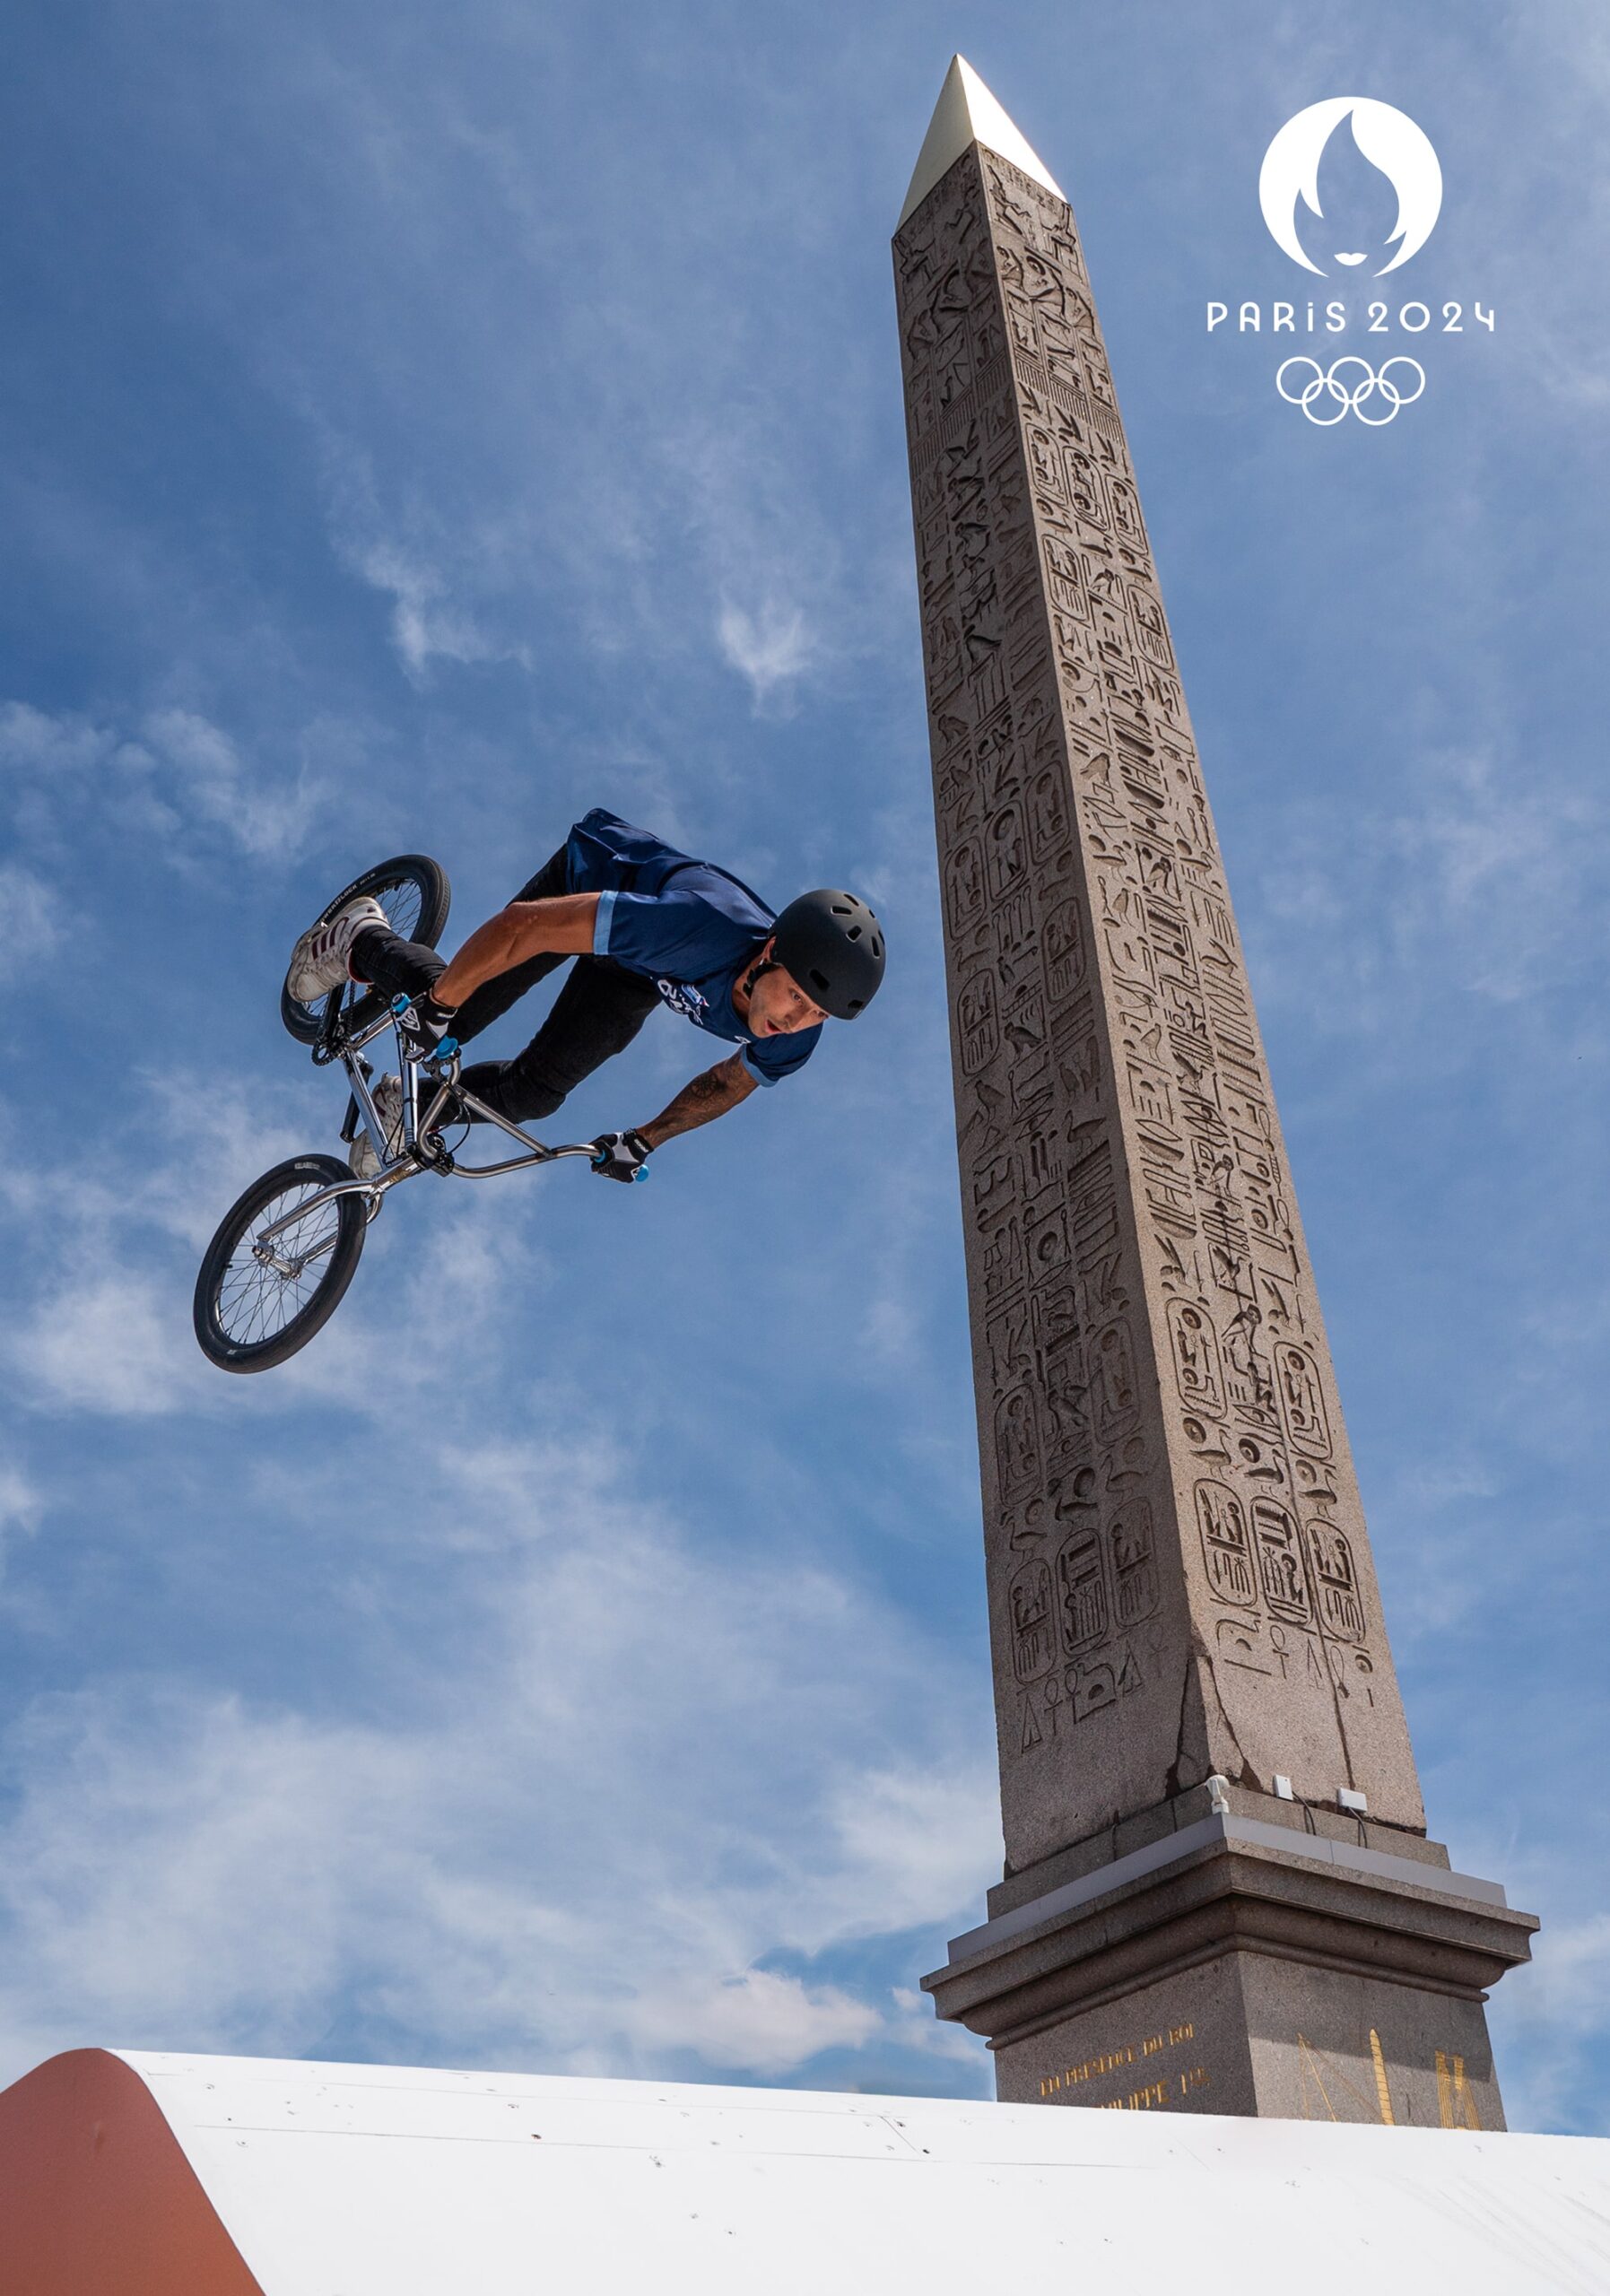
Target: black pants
595,1014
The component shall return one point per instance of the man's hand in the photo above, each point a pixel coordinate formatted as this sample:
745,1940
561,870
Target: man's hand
422,1024
622,1156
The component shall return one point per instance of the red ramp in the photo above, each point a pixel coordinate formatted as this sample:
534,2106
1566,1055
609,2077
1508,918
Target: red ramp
97,2197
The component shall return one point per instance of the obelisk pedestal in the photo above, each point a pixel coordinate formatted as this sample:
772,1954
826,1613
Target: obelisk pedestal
1219,1895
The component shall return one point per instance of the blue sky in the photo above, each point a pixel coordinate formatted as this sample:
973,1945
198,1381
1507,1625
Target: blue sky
422,423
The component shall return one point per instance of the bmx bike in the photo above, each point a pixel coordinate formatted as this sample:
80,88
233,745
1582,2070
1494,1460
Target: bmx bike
286,1251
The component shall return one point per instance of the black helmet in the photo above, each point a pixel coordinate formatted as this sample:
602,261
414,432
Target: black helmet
833,945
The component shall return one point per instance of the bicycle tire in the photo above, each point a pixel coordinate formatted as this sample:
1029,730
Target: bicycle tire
408,871
234,1349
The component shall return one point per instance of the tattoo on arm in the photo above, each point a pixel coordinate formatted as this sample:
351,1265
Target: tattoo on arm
706,1097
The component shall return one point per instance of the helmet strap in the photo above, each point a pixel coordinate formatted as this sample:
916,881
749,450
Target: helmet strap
765,962
762,965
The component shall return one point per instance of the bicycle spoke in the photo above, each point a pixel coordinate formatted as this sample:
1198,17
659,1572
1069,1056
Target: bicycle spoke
403,904
256,1302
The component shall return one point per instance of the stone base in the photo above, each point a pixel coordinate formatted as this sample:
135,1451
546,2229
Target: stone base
1246,2033
1224,1971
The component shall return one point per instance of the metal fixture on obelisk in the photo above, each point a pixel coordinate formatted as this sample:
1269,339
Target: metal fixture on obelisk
1219,1894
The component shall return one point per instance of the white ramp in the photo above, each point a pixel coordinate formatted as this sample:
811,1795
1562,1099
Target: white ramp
138,2175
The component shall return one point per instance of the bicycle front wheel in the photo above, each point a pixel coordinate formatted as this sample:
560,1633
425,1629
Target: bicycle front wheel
252,1313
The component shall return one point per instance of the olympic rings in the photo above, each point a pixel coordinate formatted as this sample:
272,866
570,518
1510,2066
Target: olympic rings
1354,397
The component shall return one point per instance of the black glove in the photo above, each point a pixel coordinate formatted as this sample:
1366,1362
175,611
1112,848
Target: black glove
622,1156
424,1025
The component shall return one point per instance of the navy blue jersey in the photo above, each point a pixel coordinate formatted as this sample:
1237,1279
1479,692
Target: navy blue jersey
686,926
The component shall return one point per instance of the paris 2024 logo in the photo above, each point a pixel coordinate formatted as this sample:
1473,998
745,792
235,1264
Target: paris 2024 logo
1377,191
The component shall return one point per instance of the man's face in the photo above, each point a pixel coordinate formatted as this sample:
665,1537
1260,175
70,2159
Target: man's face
780,1008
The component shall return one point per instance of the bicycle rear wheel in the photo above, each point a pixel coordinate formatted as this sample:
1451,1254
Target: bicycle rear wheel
249,1317
414,891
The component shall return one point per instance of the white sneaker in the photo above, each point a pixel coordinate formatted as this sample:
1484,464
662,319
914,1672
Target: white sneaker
388,1106
322,958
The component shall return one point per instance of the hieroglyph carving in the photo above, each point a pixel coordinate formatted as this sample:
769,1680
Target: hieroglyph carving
1147,1340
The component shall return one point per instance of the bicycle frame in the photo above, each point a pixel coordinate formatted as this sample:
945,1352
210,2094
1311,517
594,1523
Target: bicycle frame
411,1161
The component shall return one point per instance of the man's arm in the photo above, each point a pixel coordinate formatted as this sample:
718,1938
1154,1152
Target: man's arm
525,928
708,1096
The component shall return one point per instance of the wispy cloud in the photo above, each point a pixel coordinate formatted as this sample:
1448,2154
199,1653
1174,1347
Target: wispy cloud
1551,2021
425,622
1512,875
107,1340
21,1506
627,1794
175,776
448,587
772,646
554,1850
35,920
106,1240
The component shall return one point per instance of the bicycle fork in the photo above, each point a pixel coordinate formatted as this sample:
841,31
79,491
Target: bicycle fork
412,1156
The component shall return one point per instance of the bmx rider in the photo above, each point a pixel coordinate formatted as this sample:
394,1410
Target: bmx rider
646,925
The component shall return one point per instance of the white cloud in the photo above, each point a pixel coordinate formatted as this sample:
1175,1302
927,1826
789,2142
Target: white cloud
21,1506
770,647
33,741
428,566
100,1320
1482,888
913,1839
1551,2021
756,2018
1510,877
176,774
108,1340
595,1807
578,1842
425,622
266,819
34,921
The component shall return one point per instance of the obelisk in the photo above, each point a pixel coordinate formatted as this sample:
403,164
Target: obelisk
1219,1895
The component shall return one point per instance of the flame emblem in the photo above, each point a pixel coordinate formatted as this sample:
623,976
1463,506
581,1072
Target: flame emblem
1388,138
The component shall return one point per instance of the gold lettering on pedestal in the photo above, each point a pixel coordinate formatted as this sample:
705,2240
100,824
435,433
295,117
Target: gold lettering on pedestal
1456,2100
1315,2063
1383,2093
1128,2053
